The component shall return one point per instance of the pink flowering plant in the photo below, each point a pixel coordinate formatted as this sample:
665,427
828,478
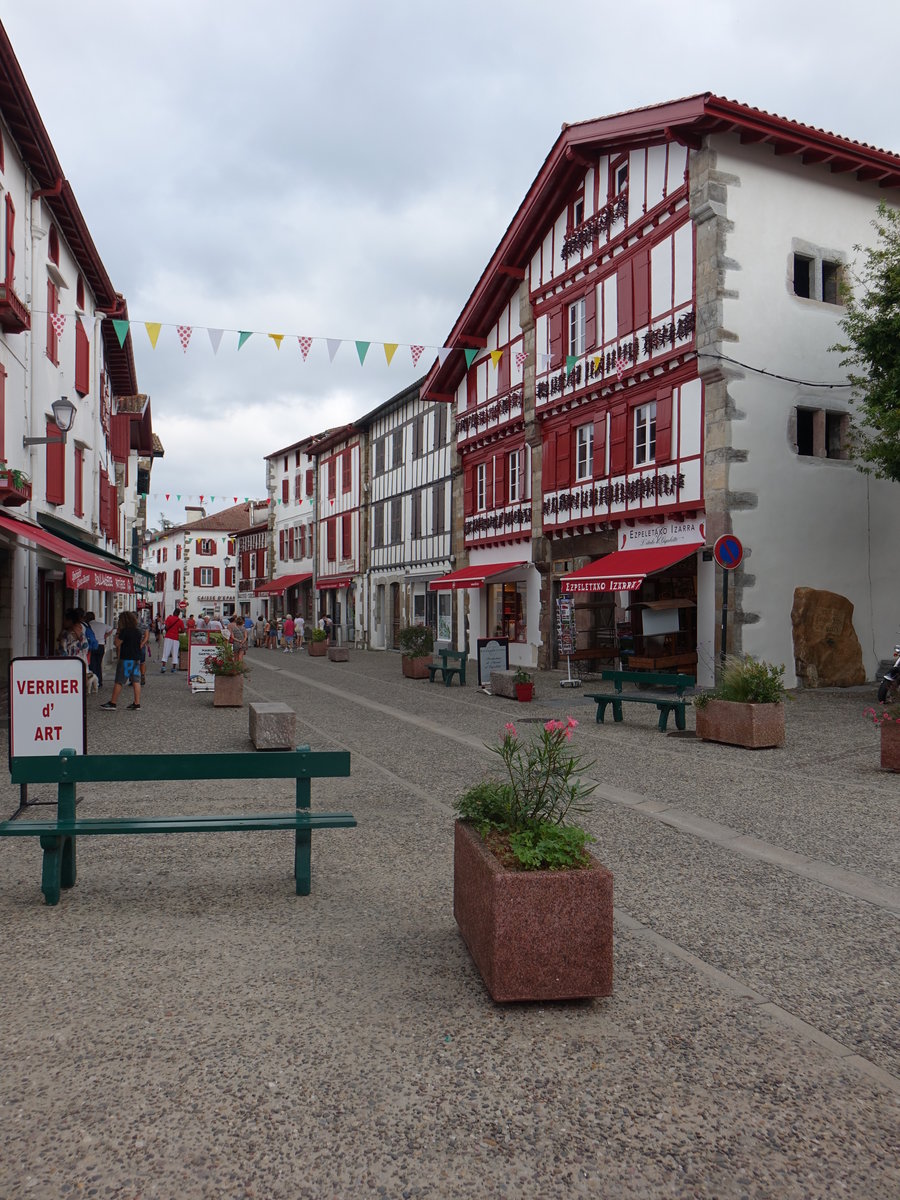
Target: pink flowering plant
888,714
524,817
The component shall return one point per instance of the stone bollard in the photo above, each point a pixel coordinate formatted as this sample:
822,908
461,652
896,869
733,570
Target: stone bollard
273,726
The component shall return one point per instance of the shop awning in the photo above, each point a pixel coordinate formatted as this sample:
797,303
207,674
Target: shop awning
277,587
472,577
625,570
85,571
144,581
334,581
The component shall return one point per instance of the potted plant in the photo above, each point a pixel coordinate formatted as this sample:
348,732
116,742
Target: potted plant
524,683
15,486
746,708
317,642
417,643
888,720
229,675
534,907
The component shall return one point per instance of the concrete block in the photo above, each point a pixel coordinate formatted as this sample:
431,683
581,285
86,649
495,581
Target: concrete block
273,726
503,684
338,654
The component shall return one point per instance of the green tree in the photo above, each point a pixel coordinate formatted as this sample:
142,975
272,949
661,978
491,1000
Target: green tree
872,350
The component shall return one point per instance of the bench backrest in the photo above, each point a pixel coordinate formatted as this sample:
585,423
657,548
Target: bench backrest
70,767
457,655
655,679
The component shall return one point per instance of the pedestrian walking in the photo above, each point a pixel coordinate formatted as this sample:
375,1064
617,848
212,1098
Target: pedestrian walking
128,668
299,631
174,627
101,632
238,638
260,631
287,634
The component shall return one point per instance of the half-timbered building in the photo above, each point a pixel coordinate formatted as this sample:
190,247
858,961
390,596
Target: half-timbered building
291,477
338,546
644,366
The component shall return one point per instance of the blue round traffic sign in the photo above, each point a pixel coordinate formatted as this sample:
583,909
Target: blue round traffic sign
728,551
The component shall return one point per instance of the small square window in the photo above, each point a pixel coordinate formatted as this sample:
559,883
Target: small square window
803,275
621,181
831,282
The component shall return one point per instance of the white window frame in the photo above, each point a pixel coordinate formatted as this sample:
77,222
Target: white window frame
645,434
206,577
251,562
514,476
481,487
576,328
584,452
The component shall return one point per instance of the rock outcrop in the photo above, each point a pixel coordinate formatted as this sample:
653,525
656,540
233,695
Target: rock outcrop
827,652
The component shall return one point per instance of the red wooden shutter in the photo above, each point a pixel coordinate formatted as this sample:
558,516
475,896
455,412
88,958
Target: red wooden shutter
500,493
625,300
556,338
346,536
52,310
309,481
471,388
281,544
641,275
176,580
197,576
590,319
346,471
600,446
216,576
82,360
303,541
56,466
231,547
663,425
197,547
10,240
245,564
548,462
564,457
285,490
332,478
331,539
503,373
469,491
78,483
618,441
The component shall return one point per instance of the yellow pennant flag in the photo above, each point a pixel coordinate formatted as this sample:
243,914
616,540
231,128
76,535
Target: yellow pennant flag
496,355
277,338
390,349
153,328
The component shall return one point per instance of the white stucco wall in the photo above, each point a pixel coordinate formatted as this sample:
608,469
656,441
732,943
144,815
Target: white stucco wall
816,522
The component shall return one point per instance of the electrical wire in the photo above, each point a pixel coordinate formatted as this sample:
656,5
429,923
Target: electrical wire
771,374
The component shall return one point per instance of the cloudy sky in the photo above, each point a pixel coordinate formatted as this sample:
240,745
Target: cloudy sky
345,171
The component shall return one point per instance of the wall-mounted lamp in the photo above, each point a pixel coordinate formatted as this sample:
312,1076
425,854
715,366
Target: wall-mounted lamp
64,415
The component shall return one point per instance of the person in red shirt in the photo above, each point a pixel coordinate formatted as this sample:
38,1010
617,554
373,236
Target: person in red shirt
173,627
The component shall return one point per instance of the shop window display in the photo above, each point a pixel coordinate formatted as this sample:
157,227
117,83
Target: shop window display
506,611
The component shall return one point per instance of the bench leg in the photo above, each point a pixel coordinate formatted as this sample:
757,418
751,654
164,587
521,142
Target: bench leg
303,861
663,716
601,709
679,716
51,870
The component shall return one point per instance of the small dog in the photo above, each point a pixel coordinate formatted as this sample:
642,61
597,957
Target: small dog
93,683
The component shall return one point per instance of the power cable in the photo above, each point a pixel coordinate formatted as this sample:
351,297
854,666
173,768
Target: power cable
771,374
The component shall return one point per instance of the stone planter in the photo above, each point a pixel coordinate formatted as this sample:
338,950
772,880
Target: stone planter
229,691
753,726
414,668
338,654
182,660
890,745
534,935
317,649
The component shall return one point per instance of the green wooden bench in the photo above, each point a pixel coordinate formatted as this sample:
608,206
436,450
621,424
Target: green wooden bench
69,769
447,657
672,702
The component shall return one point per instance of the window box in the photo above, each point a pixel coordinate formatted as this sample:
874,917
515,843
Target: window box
14,316
15,489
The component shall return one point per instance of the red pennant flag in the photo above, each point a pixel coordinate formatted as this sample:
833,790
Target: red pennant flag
167,495
201,499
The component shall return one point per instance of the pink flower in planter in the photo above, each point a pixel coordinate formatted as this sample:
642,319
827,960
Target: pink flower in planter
510,730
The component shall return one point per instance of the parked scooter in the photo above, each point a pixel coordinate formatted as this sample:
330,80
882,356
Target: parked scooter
889,688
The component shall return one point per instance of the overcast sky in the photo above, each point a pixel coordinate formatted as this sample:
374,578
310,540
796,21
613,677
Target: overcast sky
346,171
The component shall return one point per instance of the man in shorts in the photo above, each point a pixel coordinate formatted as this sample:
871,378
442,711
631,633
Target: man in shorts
287,634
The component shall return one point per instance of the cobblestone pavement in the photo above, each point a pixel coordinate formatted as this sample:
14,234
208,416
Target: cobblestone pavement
182,1025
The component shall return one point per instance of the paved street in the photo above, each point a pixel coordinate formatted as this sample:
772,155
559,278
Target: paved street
182,1025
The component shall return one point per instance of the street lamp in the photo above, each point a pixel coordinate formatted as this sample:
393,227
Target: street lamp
64,416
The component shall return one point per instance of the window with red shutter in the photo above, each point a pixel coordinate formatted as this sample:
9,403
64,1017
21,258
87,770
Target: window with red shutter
331,539
303,541
309,481
346,536
56,465
52,311
82,360
197,571
556,338
298,487
178,550
625,299
281,544
641,278
590,319
618,440
469,492
285,490
290,543
10,241
502,374
500,479
663,452
176,580
216,574
600,447
548,461
564,458
332,479
346,471
231,548
296,458
229,576
78,483
472,388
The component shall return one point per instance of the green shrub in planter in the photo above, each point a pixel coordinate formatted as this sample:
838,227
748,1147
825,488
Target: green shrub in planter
416,641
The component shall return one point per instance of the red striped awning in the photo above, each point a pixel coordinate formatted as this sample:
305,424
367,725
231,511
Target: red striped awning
277,587
84,571
625,570
472,577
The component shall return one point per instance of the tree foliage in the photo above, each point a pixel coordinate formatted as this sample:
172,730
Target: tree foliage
872,350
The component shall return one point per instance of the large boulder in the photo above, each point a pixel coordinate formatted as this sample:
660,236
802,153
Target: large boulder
826,649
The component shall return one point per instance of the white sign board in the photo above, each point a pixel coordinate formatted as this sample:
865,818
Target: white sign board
200,648
46,707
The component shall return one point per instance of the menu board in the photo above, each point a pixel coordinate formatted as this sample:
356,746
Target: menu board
493,655
565,625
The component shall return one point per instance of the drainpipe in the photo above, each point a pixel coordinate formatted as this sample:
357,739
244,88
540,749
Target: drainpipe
49,191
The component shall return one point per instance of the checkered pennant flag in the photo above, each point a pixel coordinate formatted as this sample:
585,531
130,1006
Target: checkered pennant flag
58,321
305,346
184,336
621,367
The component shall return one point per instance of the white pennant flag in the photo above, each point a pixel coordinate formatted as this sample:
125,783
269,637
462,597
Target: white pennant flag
444,353
85,325
544,361
215,336
333,347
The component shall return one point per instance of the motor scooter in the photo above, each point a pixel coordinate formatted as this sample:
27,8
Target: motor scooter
889,688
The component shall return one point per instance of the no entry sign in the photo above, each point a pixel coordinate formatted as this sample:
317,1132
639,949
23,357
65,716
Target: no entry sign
728,551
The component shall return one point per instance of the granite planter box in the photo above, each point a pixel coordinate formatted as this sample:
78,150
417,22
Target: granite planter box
338,654
534,935
415,668
229,691
890,745
317,649
753,726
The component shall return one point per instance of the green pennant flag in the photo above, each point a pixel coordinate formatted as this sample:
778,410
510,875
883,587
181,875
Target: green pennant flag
121,328
178,497
470,357
362,349
571,360
243,336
